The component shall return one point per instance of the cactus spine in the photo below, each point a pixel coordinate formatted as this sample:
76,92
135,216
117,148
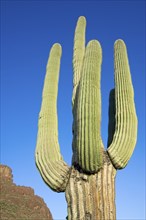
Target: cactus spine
89,184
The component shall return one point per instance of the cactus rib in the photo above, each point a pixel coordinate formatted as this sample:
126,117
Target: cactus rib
93,190
48,158
125,135
87,138
78,53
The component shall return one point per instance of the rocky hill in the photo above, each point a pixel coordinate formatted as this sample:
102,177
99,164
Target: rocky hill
19,202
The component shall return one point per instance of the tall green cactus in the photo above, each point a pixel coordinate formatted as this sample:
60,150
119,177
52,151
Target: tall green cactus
89,182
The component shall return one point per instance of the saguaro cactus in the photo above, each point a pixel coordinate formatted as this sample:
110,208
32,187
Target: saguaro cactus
89,184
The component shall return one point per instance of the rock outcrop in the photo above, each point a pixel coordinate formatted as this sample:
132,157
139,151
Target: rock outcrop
19,202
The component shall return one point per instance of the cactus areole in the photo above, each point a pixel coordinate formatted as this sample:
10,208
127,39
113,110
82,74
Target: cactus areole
89,184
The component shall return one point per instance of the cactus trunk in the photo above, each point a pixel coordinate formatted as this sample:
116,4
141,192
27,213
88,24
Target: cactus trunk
92,197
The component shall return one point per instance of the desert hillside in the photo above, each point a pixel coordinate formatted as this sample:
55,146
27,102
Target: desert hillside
19,202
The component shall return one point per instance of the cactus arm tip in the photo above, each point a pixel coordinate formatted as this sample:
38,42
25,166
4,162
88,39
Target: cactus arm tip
82,19
120,42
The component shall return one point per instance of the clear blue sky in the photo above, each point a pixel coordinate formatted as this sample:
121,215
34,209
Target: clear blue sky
28,30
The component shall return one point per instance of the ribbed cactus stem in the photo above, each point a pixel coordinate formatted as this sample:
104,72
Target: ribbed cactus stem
87,122
78,53
125,135
92,197
48,158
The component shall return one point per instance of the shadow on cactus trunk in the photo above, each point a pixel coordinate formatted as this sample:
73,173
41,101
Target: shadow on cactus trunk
89,184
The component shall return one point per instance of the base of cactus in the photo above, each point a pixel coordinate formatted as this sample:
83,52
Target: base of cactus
92,197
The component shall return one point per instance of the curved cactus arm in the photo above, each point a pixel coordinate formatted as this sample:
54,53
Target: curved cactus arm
49,161
124,139
87,117
78,53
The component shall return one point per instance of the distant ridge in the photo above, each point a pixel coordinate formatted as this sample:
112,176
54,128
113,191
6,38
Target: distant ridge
19,202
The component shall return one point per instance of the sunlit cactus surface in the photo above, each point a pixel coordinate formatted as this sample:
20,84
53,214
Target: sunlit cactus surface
89,184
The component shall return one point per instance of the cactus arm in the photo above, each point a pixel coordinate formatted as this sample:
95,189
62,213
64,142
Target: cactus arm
78,53
124,138
87,138
49,161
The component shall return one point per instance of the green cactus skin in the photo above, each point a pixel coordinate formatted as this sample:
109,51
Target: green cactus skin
89,184
87,111
125,135
48,158
79,50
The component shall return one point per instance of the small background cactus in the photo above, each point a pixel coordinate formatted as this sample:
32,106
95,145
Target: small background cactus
89,182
